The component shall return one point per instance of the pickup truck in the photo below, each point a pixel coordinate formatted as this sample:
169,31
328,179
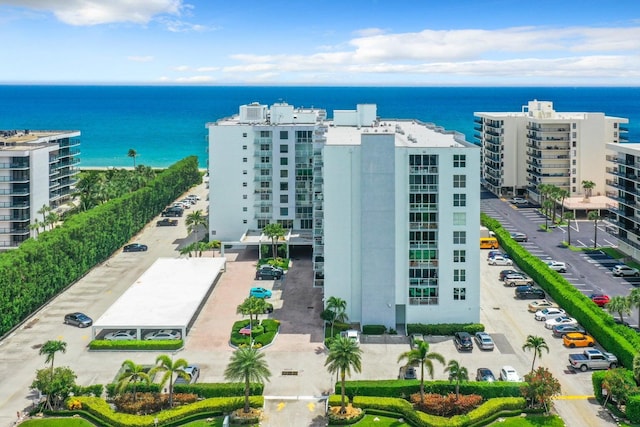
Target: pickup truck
166,222
593,359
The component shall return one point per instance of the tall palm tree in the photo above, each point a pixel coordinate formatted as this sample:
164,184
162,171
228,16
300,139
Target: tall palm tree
457,373
170,367
338,308
44,210
132,374
344,355
52,219
594,216
588,189
544,190
554,195
536,344
547,205
274,231
49,349
249,366
619,305
194,221
133,154
563,194
634,301
569,216
420,354
252,306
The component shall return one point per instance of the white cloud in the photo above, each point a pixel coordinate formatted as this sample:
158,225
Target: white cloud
207,69
195,79
182,68
147,58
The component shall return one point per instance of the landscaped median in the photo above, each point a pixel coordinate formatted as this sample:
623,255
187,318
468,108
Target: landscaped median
138,345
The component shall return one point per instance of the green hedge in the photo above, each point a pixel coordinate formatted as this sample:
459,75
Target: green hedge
208,390
374,329
136,345
618,339
95,390
404,388
40,269
444,328
420,419
263,334
140,388
100,409
633,409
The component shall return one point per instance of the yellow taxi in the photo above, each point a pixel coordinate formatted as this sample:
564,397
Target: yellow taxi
576,339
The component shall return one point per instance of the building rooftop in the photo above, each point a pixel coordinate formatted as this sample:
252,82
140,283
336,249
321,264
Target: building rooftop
31,139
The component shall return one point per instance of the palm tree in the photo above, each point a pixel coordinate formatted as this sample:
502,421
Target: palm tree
554,195
249,366
594,216
52,219
170,367
420,354
337,306
252,306
44,210
569,216
634,301
132,374
274,231
458,374
619,305
537,344
50,348
36,226
588,188
562,194
133,154
544,190
193,222
547,205
344,355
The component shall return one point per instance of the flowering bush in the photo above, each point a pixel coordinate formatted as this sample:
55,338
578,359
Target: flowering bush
446,406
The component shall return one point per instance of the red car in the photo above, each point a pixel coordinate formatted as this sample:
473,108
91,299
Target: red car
600,299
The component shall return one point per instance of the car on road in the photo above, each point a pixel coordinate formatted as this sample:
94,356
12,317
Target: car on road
519,237
519,201
517,280
166,222
600,299
562,320
508,373
260,292
624,271
122,335
415,339
78,319
269,272
505,273
560,331
529,292
549,313
484,341
492,254
500,260
463,341
485,374
163,334
558,266
540,305
193,371
135,247
407,373
576,339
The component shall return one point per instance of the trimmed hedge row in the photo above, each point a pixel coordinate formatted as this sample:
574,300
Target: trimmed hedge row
420,419
405,388
618,339
209,390
374,329
101,410
444,328
151,345
140,388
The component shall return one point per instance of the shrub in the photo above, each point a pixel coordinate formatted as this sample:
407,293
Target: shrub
374,329
446,406
444,328
141,387
208,390
90,390
264,339
152,345
633,409
270,325
405,388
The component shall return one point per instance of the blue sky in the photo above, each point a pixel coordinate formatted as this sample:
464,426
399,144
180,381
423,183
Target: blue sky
346,42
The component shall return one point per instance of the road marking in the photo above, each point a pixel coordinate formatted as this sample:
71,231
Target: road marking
311,406
574,397
281,406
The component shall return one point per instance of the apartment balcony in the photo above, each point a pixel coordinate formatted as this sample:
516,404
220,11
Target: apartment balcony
15,165
492,124
15,205
423,226
14,192
423,207
496,149
18,231
478,128
547,128
15,179
68,143
423,188
478,120
547,175
539,155
423,170
477,136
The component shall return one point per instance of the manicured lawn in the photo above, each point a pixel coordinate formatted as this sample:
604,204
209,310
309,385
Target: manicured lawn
531,421
57,422
368,421
217,422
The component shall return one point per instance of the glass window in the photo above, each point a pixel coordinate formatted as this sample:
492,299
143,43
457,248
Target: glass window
284,186
459,160
459,237
459,256
459,199
244,134
284,211
244,147
459,218
284,173
244,196
244,209
459,181
284,148
284,134
244,184
244,160
459,294
459,275
284,198
284,161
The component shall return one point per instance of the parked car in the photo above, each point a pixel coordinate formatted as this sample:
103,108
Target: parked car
517,279
593,359
78,319
519,237
166,222
260,292
269,272
519,201
558,266
193,196
576,339
415,339
485,374
194,373
122,335
508,373
500,260
505,273
600,299
463,341
560,331
529,292
492,254
484,341
135,247
352,334
163,334
541,304
173,211
549,313
562,320
625,270
407,373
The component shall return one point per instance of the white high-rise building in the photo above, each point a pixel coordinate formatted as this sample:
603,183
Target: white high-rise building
538,145
394,205
37,168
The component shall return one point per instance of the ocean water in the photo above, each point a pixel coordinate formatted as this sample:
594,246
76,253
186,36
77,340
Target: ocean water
167,123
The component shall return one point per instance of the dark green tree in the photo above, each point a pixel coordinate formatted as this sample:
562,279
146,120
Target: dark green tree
344,355
247,365
420,355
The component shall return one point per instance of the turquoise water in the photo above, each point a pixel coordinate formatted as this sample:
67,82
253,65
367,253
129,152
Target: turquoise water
165,124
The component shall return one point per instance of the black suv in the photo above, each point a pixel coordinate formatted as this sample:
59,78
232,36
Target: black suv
463,341
173,211
268,272
529,292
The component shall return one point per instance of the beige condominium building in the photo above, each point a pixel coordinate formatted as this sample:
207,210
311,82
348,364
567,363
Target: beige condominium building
538,145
